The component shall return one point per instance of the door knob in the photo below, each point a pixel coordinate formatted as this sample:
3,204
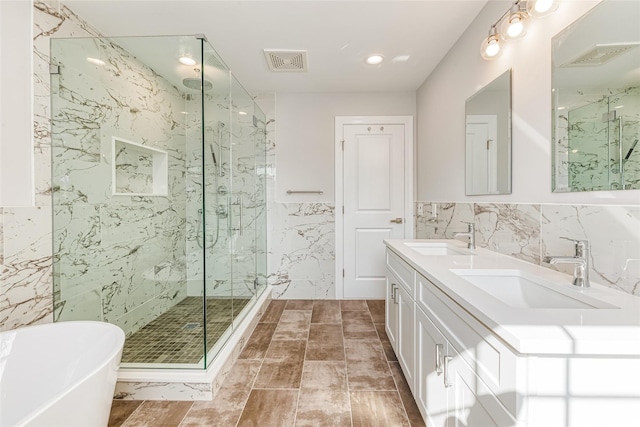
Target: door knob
397,221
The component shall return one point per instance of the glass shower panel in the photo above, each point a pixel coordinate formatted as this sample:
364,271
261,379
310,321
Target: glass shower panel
261,198
627,107
123,145
217,259
243,197
158,215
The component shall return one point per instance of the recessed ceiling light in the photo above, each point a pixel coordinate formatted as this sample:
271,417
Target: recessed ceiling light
95,61
374,59
186,60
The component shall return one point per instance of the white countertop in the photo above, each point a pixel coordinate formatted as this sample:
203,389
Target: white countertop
588,331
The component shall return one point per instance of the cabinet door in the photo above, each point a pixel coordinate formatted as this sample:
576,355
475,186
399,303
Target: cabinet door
391,311
467,406
406,322
430,392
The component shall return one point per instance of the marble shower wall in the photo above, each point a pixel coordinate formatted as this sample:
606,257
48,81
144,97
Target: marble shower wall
532,231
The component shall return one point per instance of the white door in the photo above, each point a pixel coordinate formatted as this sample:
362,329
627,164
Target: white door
374,204
481,155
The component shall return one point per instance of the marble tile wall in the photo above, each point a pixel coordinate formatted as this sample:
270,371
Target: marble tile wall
532,231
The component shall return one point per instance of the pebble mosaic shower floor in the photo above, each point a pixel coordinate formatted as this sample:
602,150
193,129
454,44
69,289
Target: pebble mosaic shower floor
176,336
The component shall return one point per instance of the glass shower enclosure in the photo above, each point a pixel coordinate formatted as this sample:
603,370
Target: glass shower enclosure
159,205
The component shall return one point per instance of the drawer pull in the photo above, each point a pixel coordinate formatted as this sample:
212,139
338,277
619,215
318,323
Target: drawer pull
439,348
394,292
447,380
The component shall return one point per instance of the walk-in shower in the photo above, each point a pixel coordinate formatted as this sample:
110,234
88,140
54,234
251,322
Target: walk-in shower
602,152
159,219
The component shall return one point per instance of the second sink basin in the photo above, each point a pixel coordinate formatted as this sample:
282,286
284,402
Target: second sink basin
436,248
519,289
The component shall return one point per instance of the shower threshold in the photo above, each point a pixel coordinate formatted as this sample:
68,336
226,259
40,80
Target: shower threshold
158,381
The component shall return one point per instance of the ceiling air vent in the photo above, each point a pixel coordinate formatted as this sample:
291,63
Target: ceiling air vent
600,54
286,60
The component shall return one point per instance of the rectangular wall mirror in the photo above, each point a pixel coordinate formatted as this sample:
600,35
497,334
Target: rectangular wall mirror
488,139
596,100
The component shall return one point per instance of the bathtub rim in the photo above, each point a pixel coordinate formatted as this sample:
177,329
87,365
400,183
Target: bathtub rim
120,337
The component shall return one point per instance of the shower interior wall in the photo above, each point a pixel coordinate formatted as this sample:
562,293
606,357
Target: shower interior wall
127,259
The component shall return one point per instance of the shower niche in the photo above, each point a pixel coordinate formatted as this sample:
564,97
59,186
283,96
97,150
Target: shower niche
137,170
144,237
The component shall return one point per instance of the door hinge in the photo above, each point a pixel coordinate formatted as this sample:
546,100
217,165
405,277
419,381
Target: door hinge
343,272
54,69
488,141
342,142
343,210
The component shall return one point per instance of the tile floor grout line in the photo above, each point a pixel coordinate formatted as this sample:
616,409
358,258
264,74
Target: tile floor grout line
304,359
404,408
186,413
346,364
255,378
133,412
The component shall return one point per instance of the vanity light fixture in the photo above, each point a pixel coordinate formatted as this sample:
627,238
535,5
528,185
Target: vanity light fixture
187,60
374,59
541,7
490,47
513,24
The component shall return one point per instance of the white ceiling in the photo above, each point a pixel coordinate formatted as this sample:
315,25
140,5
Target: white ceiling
338,35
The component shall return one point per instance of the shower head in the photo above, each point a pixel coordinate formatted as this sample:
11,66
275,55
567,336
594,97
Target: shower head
196,83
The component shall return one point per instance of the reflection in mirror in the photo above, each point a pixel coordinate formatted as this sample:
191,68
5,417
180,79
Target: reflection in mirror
488,140
596,100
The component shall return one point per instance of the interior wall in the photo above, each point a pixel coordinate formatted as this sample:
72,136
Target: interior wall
16,147
306,126
441,125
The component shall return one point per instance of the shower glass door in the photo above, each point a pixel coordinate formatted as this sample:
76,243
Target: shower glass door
243,198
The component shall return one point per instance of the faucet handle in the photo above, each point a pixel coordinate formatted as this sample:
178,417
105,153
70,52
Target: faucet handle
581,245
471,225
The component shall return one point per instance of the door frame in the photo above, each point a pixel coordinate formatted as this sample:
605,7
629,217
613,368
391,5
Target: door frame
409,194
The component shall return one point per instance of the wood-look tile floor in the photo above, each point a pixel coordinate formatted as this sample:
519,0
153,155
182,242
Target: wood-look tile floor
308,363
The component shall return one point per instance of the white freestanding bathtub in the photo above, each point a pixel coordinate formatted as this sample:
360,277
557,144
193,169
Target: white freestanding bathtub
59,374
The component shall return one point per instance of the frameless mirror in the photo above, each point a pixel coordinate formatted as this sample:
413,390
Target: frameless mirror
488,140
596,100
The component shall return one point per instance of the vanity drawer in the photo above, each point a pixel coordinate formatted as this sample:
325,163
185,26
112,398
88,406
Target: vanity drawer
493,362
403,271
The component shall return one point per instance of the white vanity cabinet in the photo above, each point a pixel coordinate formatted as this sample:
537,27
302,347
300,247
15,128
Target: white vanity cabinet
448,389
529,368
440,378
400,312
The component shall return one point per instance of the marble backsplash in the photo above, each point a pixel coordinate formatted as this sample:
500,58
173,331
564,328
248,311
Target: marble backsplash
532,231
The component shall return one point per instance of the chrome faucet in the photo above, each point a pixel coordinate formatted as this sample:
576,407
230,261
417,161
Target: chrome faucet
471,234
581,261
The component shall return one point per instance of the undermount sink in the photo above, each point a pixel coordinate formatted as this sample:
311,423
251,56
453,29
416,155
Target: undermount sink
519,289
436,248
